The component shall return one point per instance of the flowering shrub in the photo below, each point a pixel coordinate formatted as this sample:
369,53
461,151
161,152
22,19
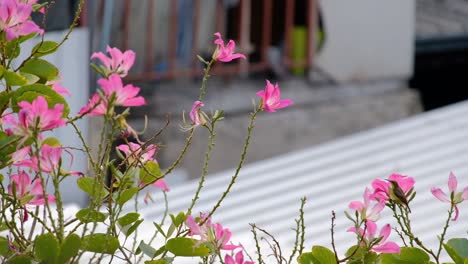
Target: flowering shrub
32,221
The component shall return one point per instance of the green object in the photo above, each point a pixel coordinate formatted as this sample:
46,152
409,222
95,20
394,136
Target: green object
100,243
69,248
187,247
299,49
407,255
46,248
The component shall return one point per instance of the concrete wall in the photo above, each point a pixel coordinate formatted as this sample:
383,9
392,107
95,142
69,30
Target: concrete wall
368,39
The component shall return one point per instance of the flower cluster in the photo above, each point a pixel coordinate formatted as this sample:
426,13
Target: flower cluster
215,235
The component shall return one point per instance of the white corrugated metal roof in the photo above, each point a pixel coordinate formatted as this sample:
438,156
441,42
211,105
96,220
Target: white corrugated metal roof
426,147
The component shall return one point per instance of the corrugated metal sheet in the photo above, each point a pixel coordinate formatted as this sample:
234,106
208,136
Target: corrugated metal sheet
426,147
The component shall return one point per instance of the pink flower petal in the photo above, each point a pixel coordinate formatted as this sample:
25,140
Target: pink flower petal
452,182
439,194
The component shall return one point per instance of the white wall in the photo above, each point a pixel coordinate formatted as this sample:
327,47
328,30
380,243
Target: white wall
367,39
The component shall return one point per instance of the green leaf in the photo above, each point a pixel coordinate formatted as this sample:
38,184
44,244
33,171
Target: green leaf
32,91
46,248
21,260
41,68
408,255
166,260
460,245
100,243
44,48
323,254
128,219
150,172
187,247
70,247
24,38
319,255
147,249
12,49
126,195
158,227
92,187
4,100
4,247
129,230
454,251
361,255
7,146
2,70
307,258
14,79
52,141
89,215
30,78
179,219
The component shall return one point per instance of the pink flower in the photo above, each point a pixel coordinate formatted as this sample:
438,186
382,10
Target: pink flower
370,238
58,88
35,116
19,155
365,210
454,197
239,259
198,230
119,63
95,106
195,113
48,161
112,88
271,98
215,234
124,95
138,153
381,187
225,54
222,237
23,187
14,19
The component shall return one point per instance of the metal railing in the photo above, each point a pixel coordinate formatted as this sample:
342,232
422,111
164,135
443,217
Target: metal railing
243,15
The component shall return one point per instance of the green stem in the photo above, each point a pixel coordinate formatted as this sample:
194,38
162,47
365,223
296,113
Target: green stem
58,202
444,231
253,116
206,75
205,168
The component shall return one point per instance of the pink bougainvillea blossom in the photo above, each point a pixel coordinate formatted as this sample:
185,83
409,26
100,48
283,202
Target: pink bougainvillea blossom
195,115
118,62
124,95
370,237
225,53
271,98
215,234
454,197
96,106
35,116
14,19
381,187
364,208
23,187
238,259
